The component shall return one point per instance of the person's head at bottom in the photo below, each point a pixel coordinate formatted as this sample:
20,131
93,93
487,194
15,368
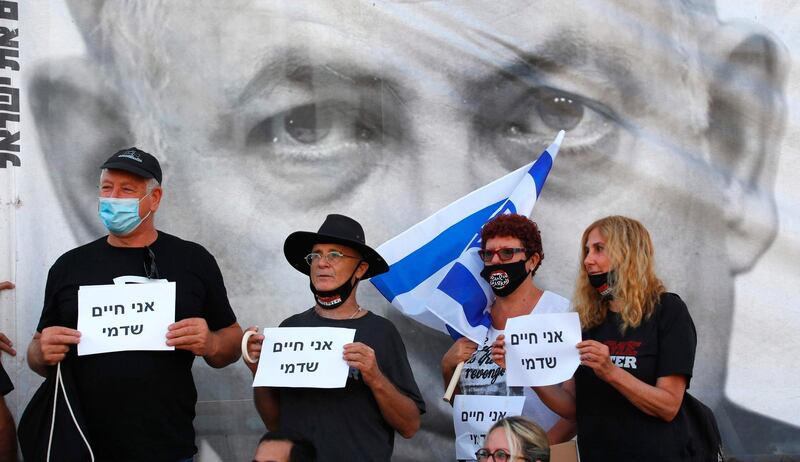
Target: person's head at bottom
515,438
283,447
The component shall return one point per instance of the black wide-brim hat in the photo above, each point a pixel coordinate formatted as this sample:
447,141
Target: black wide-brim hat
337,229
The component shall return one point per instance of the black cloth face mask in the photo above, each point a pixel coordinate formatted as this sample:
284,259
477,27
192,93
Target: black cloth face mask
330,299
600,282
505,277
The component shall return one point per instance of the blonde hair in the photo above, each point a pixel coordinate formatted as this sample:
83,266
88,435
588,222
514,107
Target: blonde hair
633,282
525,438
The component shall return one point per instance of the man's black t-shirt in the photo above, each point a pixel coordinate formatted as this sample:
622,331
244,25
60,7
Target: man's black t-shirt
138,405
609,426
346,423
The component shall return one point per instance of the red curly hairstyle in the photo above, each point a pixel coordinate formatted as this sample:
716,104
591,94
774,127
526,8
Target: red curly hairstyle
517,226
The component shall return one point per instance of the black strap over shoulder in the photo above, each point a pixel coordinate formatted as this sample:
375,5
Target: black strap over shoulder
69,440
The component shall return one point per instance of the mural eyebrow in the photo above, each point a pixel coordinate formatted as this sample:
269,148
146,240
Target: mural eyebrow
296,69
565,54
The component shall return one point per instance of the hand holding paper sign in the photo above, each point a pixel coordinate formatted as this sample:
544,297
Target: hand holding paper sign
251,350
219,348
398,409
499,351
191,334
362,358
597,356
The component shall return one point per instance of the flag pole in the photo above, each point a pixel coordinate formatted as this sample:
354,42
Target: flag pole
451,387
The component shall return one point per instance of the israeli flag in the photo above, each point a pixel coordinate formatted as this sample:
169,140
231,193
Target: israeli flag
434,268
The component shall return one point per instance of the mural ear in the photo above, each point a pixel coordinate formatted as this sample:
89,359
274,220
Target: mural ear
86,14
80,122
747,115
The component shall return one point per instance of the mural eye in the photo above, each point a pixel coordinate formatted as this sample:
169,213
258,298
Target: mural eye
514,119
347,134
325,126
544,111
559,111
306,124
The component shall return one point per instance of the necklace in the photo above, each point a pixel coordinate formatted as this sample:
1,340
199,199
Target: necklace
355,313
358,310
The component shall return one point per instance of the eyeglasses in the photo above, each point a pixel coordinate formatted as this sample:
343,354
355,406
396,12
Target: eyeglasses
150,269
499,455
333,257
505,254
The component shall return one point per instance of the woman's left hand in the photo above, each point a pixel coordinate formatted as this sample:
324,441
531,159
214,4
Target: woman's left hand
596,355
499,351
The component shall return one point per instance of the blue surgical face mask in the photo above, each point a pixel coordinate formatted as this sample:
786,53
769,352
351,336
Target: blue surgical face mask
120,215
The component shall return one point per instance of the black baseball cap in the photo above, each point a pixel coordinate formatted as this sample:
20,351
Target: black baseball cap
136,161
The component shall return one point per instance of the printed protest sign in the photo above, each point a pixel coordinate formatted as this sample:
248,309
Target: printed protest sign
303,357
474,415
124,317
540,350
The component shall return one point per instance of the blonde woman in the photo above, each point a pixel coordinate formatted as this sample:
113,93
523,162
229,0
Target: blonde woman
515,438
637,352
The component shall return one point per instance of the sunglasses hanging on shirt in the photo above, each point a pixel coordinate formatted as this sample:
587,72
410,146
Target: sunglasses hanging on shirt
150,268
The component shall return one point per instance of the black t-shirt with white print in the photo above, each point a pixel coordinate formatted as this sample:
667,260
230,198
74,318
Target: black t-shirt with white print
609,426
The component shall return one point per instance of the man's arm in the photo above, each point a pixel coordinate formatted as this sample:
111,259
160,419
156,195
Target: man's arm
399,410
219,348
267,405
228,349
265,398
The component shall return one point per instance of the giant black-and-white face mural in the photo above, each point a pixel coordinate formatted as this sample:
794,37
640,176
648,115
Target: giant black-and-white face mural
269,115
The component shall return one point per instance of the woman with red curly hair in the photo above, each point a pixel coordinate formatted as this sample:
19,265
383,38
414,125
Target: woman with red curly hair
511,250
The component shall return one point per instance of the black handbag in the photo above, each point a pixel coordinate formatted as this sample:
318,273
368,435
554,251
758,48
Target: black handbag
52,427
706,442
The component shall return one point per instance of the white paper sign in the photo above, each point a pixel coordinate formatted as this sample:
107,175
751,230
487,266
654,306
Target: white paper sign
125,317
540,349
308,357
474,415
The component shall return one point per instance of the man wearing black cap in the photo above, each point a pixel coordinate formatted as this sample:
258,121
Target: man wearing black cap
138,405
356,422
